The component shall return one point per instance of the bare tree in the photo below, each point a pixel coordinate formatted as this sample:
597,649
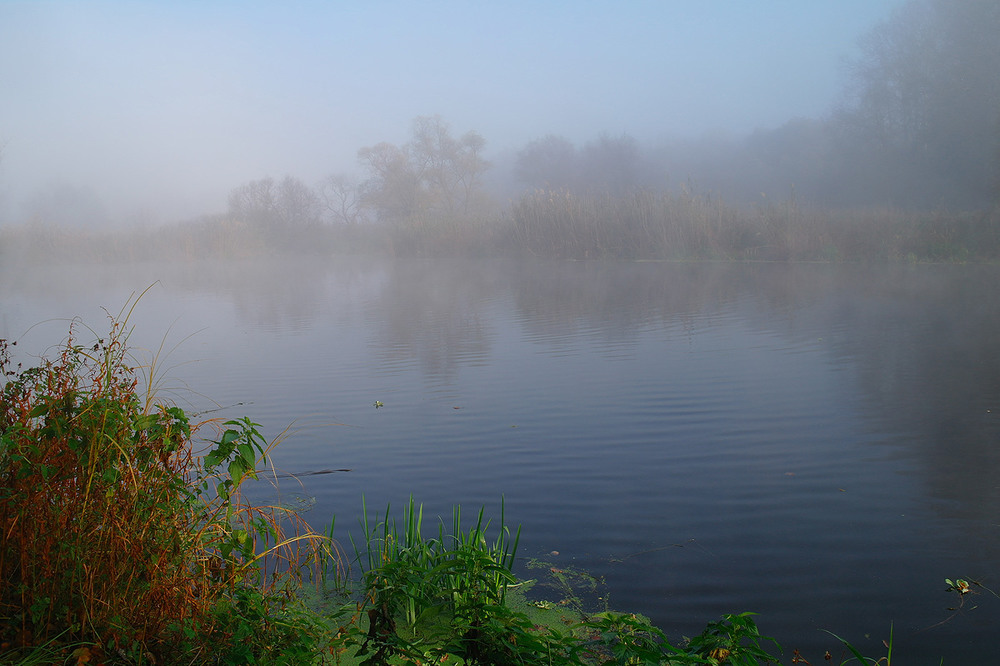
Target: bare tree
341,199
298,205
272,206
254,203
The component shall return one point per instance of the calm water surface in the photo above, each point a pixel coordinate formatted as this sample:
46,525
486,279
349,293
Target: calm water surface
819,444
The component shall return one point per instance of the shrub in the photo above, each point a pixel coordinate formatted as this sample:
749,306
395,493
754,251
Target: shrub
115,535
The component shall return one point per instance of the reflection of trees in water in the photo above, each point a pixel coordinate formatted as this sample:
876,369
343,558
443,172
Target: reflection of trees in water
921,341
927,355
435,312
618,300
282,293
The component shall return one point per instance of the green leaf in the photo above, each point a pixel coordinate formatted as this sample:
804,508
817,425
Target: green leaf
237,470
146,421
246,453
212,459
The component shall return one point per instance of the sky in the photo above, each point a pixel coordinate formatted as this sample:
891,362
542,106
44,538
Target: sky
158,109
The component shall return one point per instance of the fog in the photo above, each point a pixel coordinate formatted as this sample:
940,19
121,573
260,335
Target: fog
144,113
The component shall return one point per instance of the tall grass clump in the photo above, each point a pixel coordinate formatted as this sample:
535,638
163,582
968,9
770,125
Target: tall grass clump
116,536
438,596
447,599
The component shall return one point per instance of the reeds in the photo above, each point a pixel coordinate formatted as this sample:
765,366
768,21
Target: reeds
635,224
643,224
115,534
451,586
407,573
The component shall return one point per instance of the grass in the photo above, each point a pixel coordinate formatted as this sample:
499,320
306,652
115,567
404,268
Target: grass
454,598
126,540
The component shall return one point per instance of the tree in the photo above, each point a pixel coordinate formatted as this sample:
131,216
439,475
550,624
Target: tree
925,104
610,164
275,207
298,205
548,163
253,203
433,173
393,189
449,168
341,199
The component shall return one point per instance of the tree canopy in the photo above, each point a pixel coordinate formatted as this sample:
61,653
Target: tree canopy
922,118
435,173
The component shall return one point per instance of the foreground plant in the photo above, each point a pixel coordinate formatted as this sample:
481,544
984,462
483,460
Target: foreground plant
445,600
115,535
435,597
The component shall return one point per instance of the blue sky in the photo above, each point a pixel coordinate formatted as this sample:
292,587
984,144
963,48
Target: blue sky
166,106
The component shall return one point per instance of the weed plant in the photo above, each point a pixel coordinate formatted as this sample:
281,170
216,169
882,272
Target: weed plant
116,536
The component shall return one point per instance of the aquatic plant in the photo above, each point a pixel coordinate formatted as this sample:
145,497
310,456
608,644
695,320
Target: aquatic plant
458,579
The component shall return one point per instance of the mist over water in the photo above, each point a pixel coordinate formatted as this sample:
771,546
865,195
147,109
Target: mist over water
815,443
123,115
662,275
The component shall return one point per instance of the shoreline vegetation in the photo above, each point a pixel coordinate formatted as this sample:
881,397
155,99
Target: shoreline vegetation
638,224
127,541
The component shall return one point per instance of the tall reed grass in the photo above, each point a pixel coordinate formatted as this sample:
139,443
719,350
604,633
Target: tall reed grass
456,582
636,224
643,224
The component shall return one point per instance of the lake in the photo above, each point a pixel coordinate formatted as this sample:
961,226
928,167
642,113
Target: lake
816,443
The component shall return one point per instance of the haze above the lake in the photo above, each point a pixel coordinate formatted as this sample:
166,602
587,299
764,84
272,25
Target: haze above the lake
159,109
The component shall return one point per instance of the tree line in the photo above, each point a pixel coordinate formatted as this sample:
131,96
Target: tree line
917,127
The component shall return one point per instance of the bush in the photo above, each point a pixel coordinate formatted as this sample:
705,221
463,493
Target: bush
115,535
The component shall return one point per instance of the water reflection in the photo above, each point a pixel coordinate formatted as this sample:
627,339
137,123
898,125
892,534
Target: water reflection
827,435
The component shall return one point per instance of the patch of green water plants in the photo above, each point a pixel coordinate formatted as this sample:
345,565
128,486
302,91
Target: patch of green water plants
453,598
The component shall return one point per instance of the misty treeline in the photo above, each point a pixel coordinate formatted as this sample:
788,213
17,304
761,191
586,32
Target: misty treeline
906,166
917,129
